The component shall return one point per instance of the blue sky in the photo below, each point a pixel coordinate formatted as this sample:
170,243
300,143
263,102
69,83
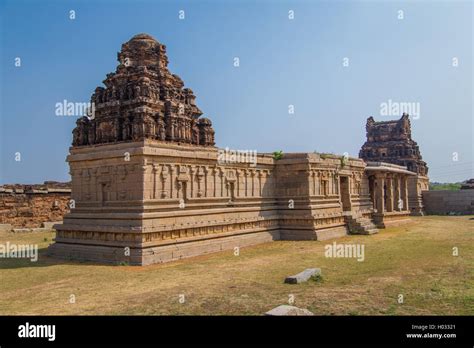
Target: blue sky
282,62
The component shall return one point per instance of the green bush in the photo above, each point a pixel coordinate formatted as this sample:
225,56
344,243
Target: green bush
278,155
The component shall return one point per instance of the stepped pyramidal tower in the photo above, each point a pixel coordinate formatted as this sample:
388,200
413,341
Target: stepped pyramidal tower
143,100
391,141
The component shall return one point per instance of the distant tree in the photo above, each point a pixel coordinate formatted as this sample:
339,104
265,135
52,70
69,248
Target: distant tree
438,186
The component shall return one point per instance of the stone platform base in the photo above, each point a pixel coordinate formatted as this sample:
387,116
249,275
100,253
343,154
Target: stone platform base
160,254
173,252
391,219
322,234
331,233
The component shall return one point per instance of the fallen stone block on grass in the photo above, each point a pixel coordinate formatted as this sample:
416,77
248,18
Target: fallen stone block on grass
21,230
303,276
288,310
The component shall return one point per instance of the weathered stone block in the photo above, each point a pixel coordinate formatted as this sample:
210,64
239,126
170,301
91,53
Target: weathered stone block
22,230
303,276
284,310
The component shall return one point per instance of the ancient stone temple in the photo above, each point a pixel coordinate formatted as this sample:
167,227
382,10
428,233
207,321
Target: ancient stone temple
143,100
148,184
391,142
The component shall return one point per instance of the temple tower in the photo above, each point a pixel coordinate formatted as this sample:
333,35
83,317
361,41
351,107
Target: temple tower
391,142
143,100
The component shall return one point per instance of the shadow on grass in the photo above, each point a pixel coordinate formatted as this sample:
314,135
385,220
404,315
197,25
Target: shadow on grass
44,260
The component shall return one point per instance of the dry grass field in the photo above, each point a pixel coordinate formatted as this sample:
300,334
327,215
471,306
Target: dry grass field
415,260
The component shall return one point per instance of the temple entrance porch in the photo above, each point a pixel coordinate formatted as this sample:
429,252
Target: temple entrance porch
388,185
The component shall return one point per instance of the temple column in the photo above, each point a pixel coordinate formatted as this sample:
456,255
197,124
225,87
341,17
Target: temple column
405,192
389,194
397,193
371,188
379,193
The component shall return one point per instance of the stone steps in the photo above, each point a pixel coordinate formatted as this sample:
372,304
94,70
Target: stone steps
360,225
372,231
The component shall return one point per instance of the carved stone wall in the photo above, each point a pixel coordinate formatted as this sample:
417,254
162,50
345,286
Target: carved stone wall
166,195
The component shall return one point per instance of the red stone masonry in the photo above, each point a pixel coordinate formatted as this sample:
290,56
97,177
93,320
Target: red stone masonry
31,205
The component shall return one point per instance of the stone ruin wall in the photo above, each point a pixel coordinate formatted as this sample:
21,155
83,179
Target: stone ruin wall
29,206
447,202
